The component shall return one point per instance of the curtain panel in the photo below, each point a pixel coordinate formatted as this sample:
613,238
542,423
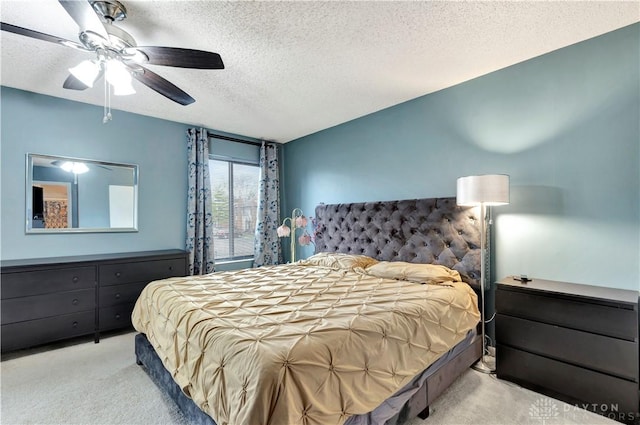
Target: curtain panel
199,242
266,246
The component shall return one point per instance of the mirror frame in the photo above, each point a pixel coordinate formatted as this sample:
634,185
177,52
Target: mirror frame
29,196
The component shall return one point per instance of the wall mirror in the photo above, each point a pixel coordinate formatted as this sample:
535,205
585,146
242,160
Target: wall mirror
67,195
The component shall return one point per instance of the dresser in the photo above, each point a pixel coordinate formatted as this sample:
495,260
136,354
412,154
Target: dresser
576,343
51,299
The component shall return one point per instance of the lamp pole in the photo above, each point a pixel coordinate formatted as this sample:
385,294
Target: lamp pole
484,191
486,363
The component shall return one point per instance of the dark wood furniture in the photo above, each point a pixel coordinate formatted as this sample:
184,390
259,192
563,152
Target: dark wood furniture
50,299
576,343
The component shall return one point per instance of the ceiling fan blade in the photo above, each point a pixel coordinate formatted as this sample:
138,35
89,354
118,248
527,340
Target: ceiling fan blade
39,35
83,14
182,58
162,86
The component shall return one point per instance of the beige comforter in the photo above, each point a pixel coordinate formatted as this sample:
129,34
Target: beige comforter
298,344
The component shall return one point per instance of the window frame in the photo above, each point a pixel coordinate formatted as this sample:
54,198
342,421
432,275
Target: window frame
231,240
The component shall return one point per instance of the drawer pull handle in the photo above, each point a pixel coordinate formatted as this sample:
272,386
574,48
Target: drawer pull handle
75,279
74,324
75,301
170,267
117,296
118,274
117,317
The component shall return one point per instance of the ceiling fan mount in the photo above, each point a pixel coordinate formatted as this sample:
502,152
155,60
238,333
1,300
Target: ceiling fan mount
109,10
118,40
114,46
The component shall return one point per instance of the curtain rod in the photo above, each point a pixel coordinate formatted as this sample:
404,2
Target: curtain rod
233,139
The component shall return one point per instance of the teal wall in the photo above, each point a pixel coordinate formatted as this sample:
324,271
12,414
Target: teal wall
564,126
41,124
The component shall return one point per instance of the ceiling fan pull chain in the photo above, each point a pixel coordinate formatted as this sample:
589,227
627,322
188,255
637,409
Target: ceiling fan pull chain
109,100
104,118
107,103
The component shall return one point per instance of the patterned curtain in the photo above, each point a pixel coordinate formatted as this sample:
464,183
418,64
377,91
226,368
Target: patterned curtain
267,245
199,207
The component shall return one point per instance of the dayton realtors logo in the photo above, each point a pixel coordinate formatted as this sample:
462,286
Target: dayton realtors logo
545,410
611,411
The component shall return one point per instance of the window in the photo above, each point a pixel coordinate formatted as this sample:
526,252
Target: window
234,190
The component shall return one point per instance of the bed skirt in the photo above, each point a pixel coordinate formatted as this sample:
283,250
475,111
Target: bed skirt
411,401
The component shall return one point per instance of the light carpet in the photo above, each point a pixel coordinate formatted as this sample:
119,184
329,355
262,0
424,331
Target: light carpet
90,383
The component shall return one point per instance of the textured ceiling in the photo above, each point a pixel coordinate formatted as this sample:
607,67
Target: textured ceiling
294,68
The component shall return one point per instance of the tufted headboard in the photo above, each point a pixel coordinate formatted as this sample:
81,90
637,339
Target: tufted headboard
434,231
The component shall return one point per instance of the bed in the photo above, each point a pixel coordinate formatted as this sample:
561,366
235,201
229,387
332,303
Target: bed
338,338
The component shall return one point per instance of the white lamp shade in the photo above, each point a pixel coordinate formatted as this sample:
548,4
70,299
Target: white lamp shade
86,71
123,89
119,77
489,189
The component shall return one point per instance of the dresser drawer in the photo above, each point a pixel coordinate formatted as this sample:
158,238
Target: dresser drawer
590,317
115,317
22,284
141,271
41,306
610,355
120,294
36,332
566,382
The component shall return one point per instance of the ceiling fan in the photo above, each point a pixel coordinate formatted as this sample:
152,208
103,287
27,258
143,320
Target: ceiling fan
76,167
117,56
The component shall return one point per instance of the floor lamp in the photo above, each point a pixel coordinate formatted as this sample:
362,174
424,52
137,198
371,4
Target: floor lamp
483,191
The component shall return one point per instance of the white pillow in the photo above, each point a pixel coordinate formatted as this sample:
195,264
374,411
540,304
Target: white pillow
336,260
414,272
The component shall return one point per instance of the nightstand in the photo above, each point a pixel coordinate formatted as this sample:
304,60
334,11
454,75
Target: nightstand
576,343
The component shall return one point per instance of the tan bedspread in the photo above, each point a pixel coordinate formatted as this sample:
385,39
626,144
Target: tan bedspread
298,344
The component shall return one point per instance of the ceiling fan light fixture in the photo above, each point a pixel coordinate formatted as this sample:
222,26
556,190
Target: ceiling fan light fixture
124,89
119,77
74,167
86,71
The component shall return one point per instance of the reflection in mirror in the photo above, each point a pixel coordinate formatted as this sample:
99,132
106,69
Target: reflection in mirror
79,195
